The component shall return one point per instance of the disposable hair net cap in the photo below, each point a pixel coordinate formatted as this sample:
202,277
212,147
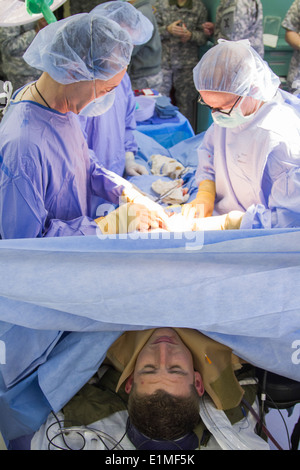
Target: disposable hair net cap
128,17
81,47
235,67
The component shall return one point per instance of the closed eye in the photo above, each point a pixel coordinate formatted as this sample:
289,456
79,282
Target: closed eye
151,369
177,370
148,369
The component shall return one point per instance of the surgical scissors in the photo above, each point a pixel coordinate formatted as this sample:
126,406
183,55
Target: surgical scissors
178,184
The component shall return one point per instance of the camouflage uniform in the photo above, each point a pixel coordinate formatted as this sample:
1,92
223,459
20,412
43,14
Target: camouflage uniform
240,19
2,74
83,6
178,58
14,41
145,65
292,22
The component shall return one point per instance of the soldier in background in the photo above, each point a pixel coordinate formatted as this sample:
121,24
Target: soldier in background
240,19
83,6
145,65
291,23
14,40
181,31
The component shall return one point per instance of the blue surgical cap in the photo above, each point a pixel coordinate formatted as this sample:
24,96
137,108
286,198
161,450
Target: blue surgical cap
82,47
235,67
128,17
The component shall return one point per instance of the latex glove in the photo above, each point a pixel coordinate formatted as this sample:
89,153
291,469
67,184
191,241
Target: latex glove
230,221
203,204
133,168
131,194
129,218
166,166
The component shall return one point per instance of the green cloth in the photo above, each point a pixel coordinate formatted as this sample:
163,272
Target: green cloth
95,402
236,414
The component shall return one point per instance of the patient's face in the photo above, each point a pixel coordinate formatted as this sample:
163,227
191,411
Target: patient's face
165,363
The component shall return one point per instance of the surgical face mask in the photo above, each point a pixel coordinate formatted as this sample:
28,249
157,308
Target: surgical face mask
234,119
99,105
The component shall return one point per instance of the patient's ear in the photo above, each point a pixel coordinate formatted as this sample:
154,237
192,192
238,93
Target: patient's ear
198,383
128,384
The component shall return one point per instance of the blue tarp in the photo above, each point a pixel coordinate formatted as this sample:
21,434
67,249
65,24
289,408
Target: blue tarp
168,132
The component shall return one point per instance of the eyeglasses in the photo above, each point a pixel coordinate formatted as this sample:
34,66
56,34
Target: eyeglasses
200,101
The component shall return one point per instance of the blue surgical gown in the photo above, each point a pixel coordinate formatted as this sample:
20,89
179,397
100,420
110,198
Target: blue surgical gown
256,166
110,135
48,175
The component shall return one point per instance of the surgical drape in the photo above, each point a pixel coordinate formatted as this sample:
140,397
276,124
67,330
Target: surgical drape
239,287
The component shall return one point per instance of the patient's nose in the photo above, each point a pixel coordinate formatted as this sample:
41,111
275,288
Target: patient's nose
163,354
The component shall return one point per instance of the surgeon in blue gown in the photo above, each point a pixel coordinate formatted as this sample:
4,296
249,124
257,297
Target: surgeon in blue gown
48,175
249,159
111,135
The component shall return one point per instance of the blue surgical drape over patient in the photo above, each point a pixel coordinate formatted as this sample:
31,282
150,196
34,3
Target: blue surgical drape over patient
48,175
240,287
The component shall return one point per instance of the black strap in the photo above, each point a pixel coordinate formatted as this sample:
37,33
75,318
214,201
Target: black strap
295,438
266,431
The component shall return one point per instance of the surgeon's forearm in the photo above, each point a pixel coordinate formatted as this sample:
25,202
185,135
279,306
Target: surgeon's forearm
230,221
134,195
205,198
107,184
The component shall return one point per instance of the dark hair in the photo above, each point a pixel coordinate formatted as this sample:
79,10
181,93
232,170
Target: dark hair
162,415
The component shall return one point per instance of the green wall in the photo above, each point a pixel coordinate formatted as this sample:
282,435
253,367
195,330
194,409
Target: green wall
270,7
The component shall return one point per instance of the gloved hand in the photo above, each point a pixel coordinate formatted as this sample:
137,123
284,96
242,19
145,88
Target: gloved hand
233,220
129,218
133,194
203,204
132,168
230,221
